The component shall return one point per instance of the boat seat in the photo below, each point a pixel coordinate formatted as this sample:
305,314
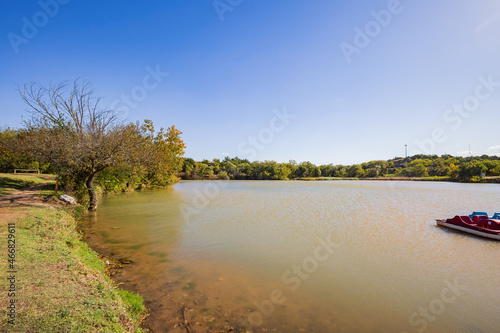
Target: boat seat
478,214
478,218
467,220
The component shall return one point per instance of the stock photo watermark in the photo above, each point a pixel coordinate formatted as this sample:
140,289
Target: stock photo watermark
30,27
200,199
253,144
455,115
365,35
139,93
292,279
223,6
248,149
421,318
11,273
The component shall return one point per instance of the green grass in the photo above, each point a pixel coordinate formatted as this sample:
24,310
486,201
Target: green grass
436,178
48,190
61,282
134,303
9,183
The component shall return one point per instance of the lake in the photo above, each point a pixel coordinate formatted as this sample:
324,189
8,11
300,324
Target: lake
294,256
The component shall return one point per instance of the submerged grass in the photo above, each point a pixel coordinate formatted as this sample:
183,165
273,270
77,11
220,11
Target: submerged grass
61,285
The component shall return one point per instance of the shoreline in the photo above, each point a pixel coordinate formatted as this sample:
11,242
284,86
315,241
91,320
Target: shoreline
490,180
164,291
60,283
50,210
184,303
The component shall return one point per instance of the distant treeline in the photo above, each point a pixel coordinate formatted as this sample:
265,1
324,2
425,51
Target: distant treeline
445,167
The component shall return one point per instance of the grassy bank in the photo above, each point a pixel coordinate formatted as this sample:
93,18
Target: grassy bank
9,183
60,283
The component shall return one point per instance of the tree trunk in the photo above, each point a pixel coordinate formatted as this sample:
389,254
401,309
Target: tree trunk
92,195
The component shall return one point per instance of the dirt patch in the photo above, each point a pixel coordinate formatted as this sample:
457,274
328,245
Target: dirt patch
8,214
29,197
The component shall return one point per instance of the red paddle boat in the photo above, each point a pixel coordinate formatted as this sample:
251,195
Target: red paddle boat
479,225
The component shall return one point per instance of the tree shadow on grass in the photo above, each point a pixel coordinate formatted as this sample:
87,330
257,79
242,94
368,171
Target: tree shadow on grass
9,185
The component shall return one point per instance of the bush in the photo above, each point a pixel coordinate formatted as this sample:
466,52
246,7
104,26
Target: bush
470,171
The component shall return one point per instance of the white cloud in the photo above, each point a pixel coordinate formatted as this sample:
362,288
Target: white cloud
493,150
464,153
487,22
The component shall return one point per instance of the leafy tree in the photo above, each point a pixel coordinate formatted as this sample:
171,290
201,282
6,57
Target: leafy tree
315,172
327,170
71,131
216,165
453,172
159,152
245,170
496,170
469,170
355,171
188,165
491,167
300,171
420,170
11,143
229,167
283,172
204,171
373,172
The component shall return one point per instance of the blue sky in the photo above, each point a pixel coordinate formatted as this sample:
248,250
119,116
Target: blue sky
358,80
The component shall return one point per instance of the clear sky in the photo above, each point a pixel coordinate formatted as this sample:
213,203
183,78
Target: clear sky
351,81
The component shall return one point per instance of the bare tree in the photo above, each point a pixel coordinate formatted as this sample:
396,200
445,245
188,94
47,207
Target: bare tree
72,131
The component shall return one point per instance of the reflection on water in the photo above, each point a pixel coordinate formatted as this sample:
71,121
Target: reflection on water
248,256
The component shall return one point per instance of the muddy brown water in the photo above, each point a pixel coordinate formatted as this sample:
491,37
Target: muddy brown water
346,256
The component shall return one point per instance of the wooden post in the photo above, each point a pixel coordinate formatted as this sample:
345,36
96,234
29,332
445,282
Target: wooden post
57,182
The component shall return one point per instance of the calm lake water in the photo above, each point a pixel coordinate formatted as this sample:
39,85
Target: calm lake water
343,256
